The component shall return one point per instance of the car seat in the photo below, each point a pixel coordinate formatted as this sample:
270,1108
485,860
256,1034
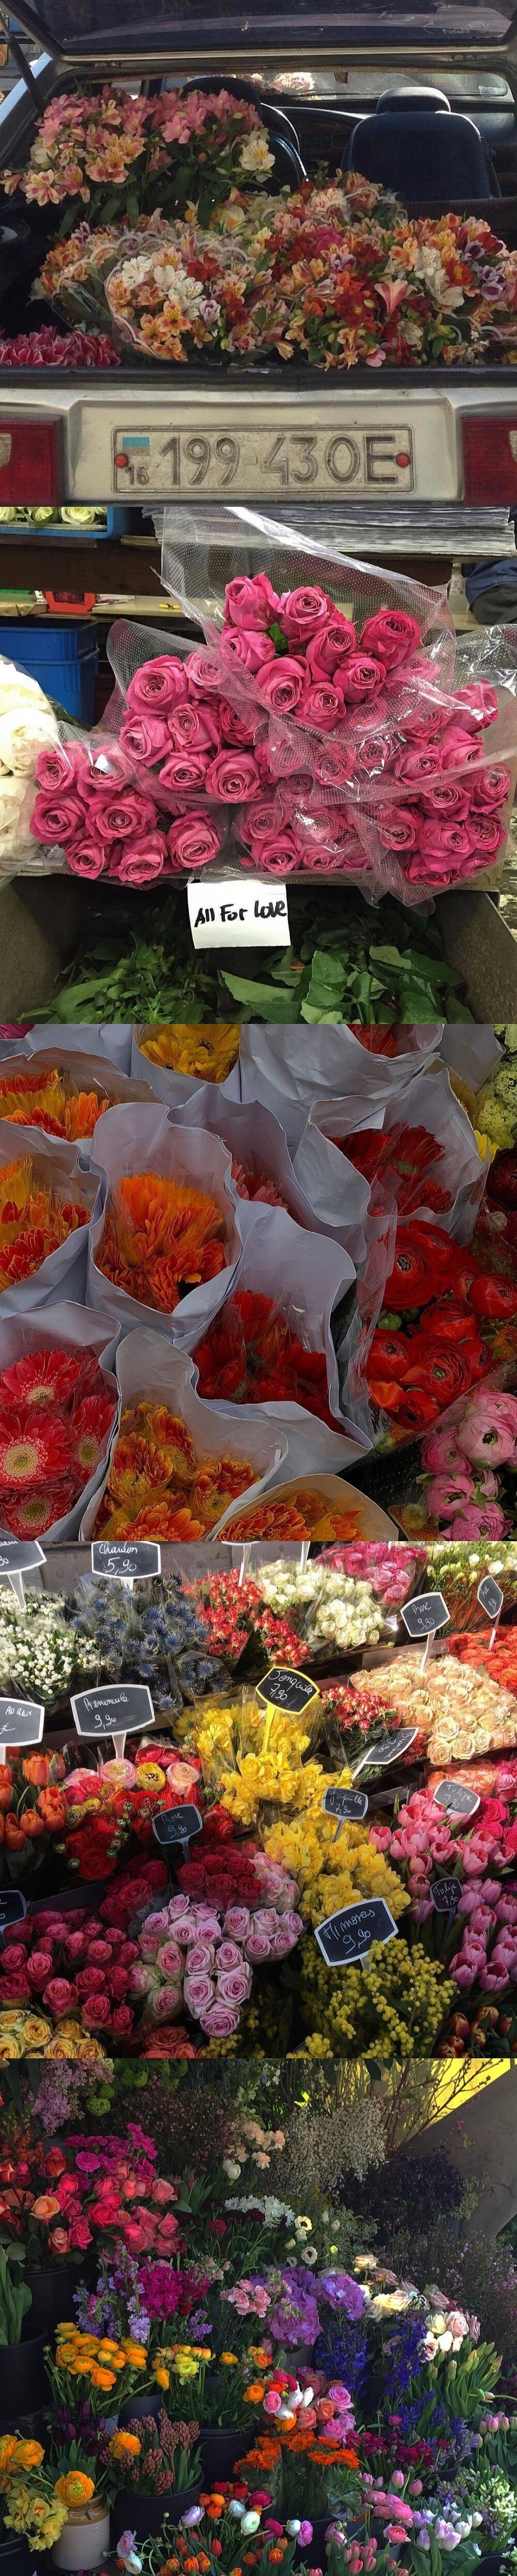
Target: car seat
416,145
289,169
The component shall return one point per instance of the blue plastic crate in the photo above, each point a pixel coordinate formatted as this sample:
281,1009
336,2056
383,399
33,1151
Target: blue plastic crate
119,522
65,660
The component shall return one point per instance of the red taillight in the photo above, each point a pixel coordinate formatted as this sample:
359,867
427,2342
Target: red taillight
490,456
30,460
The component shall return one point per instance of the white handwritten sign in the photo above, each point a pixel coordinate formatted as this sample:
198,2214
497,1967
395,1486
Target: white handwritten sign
238,912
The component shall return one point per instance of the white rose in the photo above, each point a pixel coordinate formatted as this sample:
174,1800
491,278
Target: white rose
22,737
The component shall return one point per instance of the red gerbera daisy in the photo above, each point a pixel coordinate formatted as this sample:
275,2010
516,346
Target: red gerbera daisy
89,1429
33,1514
32,1452
46,1379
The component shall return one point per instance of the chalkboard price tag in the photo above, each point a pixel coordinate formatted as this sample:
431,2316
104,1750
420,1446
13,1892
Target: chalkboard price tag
20,1555
121,1709
425,1615
21,1721
131,1559
490,1597
288,1690
445,1894
389,1749
349,1804
176,1825
13,1907
455,1799
348,1936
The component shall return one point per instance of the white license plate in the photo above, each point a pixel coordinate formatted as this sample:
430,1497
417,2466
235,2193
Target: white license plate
250,462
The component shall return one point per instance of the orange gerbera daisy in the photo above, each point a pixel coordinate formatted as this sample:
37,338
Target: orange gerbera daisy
147,1497
303,1514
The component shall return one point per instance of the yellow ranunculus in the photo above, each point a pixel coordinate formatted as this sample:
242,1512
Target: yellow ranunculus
75,2488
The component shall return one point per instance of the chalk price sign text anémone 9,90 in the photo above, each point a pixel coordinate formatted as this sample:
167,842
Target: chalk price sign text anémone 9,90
249,461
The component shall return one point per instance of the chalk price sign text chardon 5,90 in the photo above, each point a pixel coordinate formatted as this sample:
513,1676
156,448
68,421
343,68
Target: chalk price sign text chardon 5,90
247,462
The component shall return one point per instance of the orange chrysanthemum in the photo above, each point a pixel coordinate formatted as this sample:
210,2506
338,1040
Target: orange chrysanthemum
161,1239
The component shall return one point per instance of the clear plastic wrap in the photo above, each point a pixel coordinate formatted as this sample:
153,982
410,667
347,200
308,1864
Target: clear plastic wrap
148,1370
373,754
145,1229
164,292
272,1342
67,1329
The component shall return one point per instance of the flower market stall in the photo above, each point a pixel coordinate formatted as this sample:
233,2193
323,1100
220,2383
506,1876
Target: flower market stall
196,2373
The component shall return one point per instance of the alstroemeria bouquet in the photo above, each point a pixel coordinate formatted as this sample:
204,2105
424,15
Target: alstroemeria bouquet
143,153
56,1415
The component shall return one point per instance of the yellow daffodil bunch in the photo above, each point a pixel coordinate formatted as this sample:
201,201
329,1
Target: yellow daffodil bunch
32,2505
331,1872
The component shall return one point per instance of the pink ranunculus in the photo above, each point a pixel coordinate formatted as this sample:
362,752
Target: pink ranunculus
186,771
219,2021
145,738
251,652
322,705
89,857
446,1495
193,727
142,862
251,602
391,635
397,829
193,841
53,771
490,789
445,802
488,1430
232,777
281,684
330,647
158,685
56,819
304,613
362,678
490,1523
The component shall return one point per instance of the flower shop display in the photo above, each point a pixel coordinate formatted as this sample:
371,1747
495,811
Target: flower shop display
462,1564
49,348
90,808
460,1712
214,1978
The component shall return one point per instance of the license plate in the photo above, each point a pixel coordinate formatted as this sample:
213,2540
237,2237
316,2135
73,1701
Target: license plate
248,462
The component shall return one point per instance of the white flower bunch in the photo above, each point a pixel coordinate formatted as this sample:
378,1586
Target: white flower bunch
38,1649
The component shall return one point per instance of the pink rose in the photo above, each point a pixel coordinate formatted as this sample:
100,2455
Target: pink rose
145,738
56,819
143,862
489,835
88,858
233,1984
193,842
330,647
228,1955
445,802
251,603
119,816
233,777
53,771
334,762
264,816
198,1992
121,2024
250,651
257,1947
165,2004
169,1959
193,728
234,729
416,768
202,670
303,613
362,678
446,841
458,749
478,705
280,855
185,770
158,685
15,1988
376,751
322,705
397,830
391,636
219,2021
281,684
236,1922
489,789
59,1996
